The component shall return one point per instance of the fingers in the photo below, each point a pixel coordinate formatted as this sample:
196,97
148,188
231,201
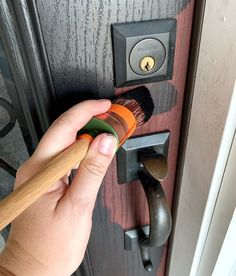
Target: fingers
60,135
62,132
83,191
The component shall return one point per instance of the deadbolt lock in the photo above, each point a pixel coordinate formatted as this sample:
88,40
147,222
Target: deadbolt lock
143,51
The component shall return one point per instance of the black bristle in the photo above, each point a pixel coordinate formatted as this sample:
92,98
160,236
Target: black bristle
142,96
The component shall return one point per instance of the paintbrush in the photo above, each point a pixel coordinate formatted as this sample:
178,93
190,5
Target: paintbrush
127,112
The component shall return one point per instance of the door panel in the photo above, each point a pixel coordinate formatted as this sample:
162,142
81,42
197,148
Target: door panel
77,37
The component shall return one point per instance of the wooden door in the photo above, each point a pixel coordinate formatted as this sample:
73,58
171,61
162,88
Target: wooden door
74,39
77,36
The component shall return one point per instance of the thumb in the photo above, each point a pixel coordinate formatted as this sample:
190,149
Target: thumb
86,183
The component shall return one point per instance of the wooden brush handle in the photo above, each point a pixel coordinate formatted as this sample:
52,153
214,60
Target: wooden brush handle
38,184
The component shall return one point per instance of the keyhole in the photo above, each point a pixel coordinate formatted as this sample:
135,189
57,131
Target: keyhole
147,64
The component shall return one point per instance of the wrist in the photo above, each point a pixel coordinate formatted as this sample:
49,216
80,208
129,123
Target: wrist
14,261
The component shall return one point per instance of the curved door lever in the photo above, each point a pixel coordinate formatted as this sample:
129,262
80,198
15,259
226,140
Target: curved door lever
154,170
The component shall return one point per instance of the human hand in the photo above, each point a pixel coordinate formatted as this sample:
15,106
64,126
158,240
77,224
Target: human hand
50,237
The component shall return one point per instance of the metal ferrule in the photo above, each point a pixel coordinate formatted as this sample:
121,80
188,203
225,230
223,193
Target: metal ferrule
117,123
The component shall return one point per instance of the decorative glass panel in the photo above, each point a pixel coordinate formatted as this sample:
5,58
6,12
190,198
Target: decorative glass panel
13,149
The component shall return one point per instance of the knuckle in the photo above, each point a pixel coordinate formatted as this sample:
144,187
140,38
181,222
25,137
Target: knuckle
96,168
20,171
64,119
24,171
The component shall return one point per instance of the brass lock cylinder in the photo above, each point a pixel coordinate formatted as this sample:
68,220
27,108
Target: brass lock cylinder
147,64
147,56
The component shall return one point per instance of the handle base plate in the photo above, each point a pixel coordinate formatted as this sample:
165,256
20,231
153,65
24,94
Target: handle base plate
132,237
128,163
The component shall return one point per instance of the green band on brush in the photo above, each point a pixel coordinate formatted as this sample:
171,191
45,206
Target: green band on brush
97,126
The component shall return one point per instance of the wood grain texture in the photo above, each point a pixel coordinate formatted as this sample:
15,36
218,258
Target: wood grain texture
78,41
25,69
106,248
131,195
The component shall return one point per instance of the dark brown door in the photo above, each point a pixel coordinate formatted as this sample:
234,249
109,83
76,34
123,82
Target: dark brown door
76,50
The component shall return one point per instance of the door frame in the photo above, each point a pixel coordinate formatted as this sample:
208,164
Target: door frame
211,71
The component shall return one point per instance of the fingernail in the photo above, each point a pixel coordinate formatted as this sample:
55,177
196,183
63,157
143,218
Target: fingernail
107,144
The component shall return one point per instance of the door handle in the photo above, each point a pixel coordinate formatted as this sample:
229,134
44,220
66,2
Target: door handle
153,170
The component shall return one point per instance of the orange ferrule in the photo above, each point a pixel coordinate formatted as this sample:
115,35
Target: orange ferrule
129,133
86,136
126,114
